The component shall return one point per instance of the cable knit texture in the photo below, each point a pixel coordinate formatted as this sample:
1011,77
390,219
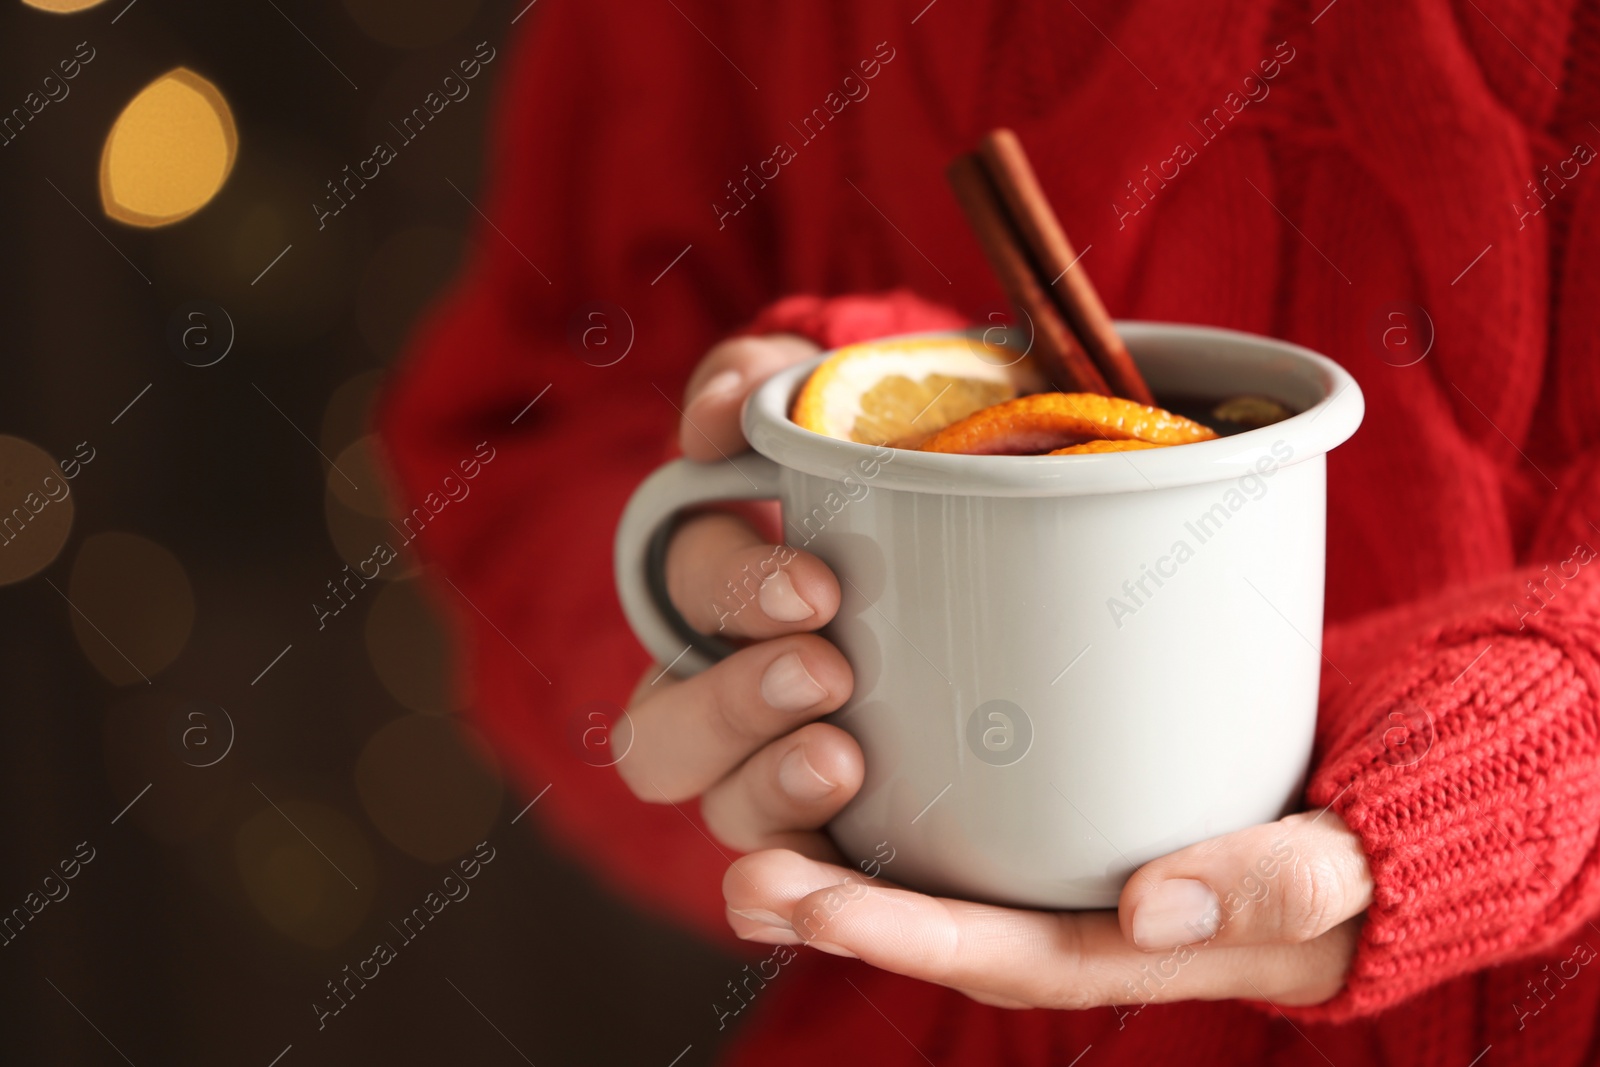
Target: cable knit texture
1404,186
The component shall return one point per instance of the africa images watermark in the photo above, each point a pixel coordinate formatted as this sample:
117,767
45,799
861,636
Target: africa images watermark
451,890
1542,593
852,90
1541,195
1203,527
1252,889
54,490
344,587
1256,89
52,90
740,592
754,981
834,502
455,90
55,890
1566,970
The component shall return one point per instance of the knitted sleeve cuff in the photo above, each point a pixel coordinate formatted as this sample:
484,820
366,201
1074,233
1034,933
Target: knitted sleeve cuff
1469,766
842,320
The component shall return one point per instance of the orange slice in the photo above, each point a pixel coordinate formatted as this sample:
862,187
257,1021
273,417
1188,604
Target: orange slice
1046,422
1102,445
899,392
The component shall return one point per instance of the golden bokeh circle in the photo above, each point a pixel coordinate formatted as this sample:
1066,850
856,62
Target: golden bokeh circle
307,868
410,648
63,7
36,509
428,784
169,151
358,481
133,606
349,413
358,535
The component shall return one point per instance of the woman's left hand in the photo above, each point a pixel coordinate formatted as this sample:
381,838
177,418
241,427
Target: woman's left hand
1271,913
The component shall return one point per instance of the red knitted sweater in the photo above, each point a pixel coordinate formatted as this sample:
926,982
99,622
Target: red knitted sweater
1404,187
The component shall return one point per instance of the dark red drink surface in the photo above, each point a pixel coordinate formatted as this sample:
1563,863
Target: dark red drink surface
1201,408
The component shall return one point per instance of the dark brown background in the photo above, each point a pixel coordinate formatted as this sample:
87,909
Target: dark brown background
206,925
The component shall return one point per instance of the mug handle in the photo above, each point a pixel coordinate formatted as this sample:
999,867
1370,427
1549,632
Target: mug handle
641,551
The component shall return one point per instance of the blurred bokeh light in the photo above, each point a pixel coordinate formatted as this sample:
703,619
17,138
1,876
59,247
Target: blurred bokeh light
307,869
427,784
36,509
64,7
145,743
198,544
361,517
134,606
348,415
409,649
363,490
169,151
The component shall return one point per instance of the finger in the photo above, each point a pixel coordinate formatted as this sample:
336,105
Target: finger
777,797
689,735
1058,960
723,578
993,1001
1286,882
710,426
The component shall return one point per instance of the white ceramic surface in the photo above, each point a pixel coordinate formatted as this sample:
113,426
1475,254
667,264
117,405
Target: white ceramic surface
1065,666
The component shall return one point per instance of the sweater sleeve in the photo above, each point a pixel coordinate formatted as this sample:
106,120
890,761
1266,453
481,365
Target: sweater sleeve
1466,756
545,386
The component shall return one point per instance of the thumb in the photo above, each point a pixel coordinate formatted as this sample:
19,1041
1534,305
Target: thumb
708,426
1283,883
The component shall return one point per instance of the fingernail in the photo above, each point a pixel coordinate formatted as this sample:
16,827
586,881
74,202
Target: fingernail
832,949
799,779
1179,911
779,600
769,929
787,687
762,916
720,384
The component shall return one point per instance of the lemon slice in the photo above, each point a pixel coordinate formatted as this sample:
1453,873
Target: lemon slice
901,392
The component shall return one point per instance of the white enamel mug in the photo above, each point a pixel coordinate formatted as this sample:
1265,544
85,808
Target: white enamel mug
1065,666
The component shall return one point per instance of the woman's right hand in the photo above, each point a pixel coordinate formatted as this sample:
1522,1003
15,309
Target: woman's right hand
742,735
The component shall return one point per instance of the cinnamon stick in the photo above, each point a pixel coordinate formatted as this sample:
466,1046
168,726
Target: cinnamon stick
1055,260
1060,357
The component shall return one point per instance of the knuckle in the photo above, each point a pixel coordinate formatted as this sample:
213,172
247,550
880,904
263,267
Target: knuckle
733,352
1066,986
692,555
735,718
717,705
1308,903
644,787
1067,992
722,822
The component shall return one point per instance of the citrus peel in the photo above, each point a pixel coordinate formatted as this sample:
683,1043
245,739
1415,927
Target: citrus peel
1102,445
1047,422
899,393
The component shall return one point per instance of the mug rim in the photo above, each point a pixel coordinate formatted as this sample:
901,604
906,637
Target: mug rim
1311,433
